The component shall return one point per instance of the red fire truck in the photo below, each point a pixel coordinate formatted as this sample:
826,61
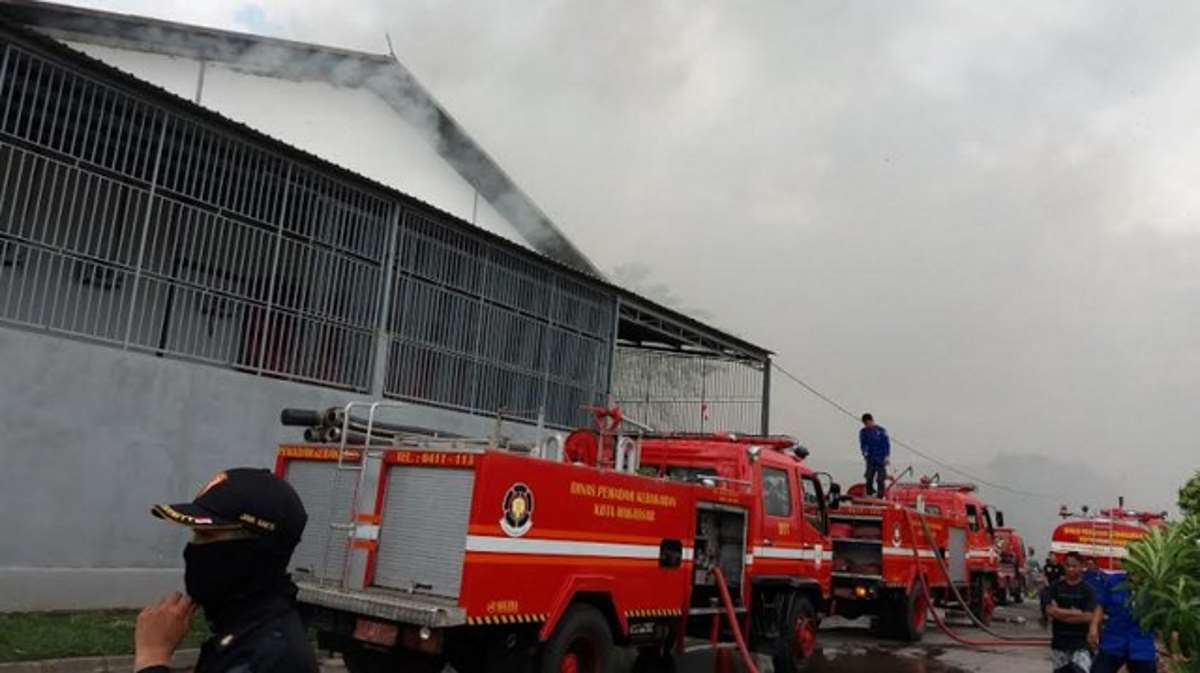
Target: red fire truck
1011,569
1102,537
885,548
424,549
789,560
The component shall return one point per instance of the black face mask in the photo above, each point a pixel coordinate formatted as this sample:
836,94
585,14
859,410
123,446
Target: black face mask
220,573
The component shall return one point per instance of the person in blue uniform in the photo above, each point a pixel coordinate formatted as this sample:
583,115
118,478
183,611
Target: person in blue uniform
1121,641
876,451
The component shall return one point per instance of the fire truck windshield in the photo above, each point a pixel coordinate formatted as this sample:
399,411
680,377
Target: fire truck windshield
973,518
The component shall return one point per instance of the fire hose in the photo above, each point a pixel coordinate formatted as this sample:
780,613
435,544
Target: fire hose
723,588
1001,640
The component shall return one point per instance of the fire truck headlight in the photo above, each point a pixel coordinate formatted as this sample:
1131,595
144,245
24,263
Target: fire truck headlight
425,633
860,591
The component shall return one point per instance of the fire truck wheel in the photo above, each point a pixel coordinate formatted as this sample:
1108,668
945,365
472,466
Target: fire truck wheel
912,613
582,643
798,637
982,601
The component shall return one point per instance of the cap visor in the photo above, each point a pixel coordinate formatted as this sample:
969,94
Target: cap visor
193,516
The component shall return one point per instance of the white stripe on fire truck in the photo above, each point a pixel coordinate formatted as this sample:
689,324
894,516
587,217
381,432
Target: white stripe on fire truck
907,551
521,545
792,553
363,531
1088,549
981,553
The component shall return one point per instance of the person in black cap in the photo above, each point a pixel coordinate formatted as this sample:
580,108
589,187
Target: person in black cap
245,524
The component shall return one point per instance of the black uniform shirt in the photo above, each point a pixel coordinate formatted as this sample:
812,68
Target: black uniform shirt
268,639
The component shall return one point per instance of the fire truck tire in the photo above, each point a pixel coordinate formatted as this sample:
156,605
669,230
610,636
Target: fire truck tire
582,643
911,613
982,601
798,636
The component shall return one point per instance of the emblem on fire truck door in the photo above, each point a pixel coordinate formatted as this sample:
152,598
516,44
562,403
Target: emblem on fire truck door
518,510
896,539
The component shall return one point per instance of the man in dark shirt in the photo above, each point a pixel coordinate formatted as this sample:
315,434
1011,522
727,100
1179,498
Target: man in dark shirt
245,524
1072,607
876,451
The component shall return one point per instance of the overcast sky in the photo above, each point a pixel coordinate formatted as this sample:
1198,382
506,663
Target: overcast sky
979,221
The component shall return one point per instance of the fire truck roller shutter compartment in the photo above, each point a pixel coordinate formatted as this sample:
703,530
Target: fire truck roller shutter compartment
328,494
957,553
423,534
721,541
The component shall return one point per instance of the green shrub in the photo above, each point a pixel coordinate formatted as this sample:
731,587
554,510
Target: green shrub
1164,575
1189,496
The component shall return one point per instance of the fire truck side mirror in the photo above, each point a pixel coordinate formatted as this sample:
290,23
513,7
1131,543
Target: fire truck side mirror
999,519
670,554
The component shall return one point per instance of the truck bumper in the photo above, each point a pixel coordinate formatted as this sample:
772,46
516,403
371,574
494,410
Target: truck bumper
388,605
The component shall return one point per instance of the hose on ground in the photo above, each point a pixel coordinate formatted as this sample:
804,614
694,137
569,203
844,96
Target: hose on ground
1001,640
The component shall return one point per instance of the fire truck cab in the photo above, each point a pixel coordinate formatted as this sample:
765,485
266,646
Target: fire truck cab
789,562
960,504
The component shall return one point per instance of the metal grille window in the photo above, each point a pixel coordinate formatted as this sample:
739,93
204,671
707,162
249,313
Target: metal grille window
128,223
476,328
53,108
689,392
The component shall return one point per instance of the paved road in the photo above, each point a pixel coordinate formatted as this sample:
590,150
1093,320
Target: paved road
848,647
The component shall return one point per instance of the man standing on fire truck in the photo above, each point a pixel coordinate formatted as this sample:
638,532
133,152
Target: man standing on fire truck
876,451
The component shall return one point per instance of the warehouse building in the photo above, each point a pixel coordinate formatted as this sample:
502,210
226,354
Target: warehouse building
199,228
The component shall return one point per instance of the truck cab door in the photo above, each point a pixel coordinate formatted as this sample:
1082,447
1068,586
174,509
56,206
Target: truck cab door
815,524
779,503
815,507
780,536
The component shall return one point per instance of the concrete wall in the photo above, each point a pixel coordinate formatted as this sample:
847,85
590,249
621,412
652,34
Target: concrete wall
349,126
94,435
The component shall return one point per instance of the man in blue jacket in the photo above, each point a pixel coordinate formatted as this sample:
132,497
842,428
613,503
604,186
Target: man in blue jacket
876,451
1119,637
